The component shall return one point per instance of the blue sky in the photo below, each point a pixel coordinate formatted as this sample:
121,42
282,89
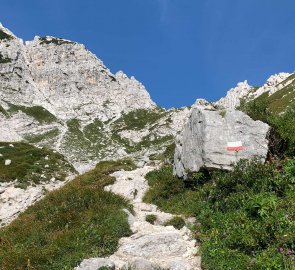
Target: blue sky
179,49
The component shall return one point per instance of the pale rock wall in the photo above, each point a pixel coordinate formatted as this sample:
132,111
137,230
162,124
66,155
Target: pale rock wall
203,141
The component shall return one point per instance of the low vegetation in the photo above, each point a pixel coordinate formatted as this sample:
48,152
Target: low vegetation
151,218
46,136
283,123
78,221
138,119
176,222
4,35
85,143
4,60
56,41
31,165
247,215
37,112
3,111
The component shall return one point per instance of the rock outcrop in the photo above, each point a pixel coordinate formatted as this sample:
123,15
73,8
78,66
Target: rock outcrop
56,93
243,90
66,79
203,142
234,95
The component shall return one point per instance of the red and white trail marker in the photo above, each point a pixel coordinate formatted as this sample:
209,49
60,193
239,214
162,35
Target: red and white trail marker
235,146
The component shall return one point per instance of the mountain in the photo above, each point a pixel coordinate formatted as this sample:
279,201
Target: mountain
278,93
55,93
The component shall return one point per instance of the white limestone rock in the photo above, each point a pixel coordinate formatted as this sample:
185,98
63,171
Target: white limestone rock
244,91
272,85
95,264
234,95
7,162
203,142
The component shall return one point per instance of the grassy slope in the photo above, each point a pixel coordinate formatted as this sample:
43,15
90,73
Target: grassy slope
139,120
78,221
246,215
30,163
277,102
37,112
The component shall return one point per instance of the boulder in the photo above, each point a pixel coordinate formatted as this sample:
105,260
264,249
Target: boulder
95,264
204,139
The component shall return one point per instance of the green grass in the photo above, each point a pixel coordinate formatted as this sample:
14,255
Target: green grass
31,165
4,60
78,221
3,111
167,156
138,119
176,222
37,112
87,143
3,36
145,143
275,103
151,218
246,215
33,138
280,100
282,122
56,41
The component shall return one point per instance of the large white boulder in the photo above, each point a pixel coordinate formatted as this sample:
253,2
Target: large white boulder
203,142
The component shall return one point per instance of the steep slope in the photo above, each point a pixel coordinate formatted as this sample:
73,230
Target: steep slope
279,90
54,92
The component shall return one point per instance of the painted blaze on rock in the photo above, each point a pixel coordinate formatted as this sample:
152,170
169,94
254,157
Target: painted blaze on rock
203,143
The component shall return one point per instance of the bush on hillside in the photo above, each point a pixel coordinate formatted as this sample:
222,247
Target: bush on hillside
247,215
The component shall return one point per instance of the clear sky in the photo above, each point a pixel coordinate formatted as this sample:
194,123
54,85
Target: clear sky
179,49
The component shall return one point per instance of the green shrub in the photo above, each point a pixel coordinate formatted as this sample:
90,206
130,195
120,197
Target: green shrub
176,222
4,60
56,41
80,220
246,214
282,120
151,218
3,35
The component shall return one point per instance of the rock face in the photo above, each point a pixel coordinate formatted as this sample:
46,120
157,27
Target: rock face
55,93
203,142
234,95
66,79
244,91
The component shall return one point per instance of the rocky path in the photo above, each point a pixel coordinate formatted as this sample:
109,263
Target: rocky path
152,246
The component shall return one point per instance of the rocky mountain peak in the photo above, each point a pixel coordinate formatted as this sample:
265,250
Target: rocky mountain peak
244,91
6,31
55,92
234,95
68,80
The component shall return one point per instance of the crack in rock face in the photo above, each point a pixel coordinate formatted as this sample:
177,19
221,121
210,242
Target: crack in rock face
152,246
